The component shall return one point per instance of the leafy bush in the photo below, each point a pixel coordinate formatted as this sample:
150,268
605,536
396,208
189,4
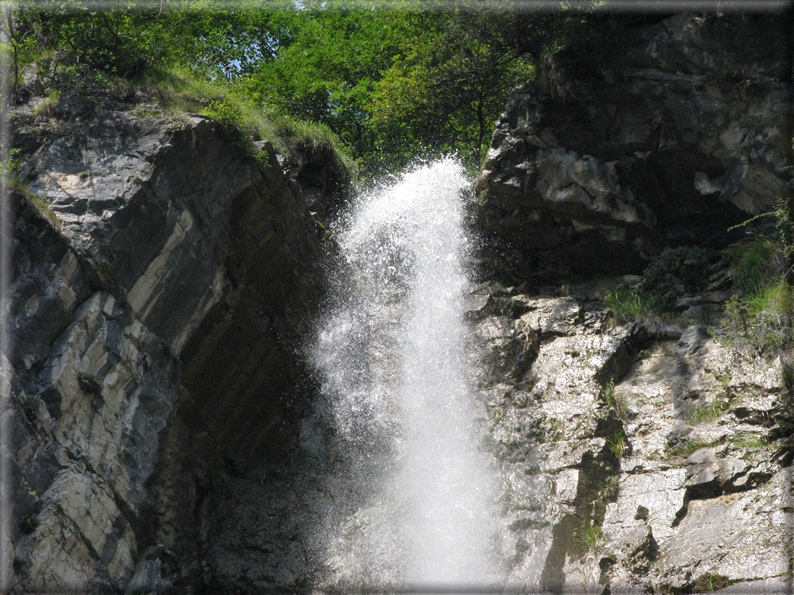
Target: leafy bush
761,319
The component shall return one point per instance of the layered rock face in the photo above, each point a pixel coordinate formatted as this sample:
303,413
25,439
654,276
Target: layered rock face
154,318
644,138
634,458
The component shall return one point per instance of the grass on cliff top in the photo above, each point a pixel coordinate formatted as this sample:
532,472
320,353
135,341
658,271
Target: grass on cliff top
179,91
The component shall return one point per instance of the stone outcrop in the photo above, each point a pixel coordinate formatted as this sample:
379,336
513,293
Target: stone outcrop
639,139
633,458
158,288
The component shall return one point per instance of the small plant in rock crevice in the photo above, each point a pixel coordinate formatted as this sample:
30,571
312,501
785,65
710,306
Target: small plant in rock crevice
615,404
89,383
590,536
708,582
617,443
708,412
611,488
688,447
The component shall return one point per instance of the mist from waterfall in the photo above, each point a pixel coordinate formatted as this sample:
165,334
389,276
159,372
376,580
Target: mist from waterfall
398,397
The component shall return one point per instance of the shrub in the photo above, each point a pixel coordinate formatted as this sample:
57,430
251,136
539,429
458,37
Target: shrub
762,321
676,271
757,264
762,318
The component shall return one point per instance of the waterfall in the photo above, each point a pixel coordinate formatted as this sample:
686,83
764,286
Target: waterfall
411,506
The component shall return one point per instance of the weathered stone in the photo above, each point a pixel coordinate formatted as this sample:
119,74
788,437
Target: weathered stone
169,256
644,150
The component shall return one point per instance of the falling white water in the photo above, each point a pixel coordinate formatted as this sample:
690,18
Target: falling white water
392,356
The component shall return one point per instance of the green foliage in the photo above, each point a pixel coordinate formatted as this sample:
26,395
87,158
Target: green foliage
611,488
627,305
762,321
616,443
676,271
757,264
89,383
590,536
47,106
180,91
449,85
687,447
393,84
9,175
749,441
226,112
616,405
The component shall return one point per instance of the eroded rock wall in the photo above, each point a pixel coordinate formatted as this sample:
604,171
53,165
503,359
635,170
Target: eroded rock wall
156,305
649,456
642,138
634,458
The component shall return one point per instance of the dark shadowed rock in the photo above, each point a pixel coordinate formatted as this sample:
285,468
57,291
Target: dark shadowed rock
654,137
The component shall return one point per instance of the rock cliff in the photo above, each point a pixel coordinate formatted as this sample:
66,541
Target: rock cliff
649,456
157,291
634,458
642,138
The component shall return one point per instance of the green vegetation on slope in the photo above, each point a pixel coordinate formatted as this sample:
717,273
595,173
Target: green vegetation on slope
761,318
393,84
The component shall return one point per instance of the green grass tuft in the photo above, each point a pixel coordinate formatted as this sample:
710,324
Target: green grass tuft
628,305
590,536
617,443
615,404
706,413
706,583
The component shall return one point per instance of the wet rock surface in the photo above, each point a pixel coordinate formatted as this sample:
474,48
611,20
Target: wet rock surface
654,136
